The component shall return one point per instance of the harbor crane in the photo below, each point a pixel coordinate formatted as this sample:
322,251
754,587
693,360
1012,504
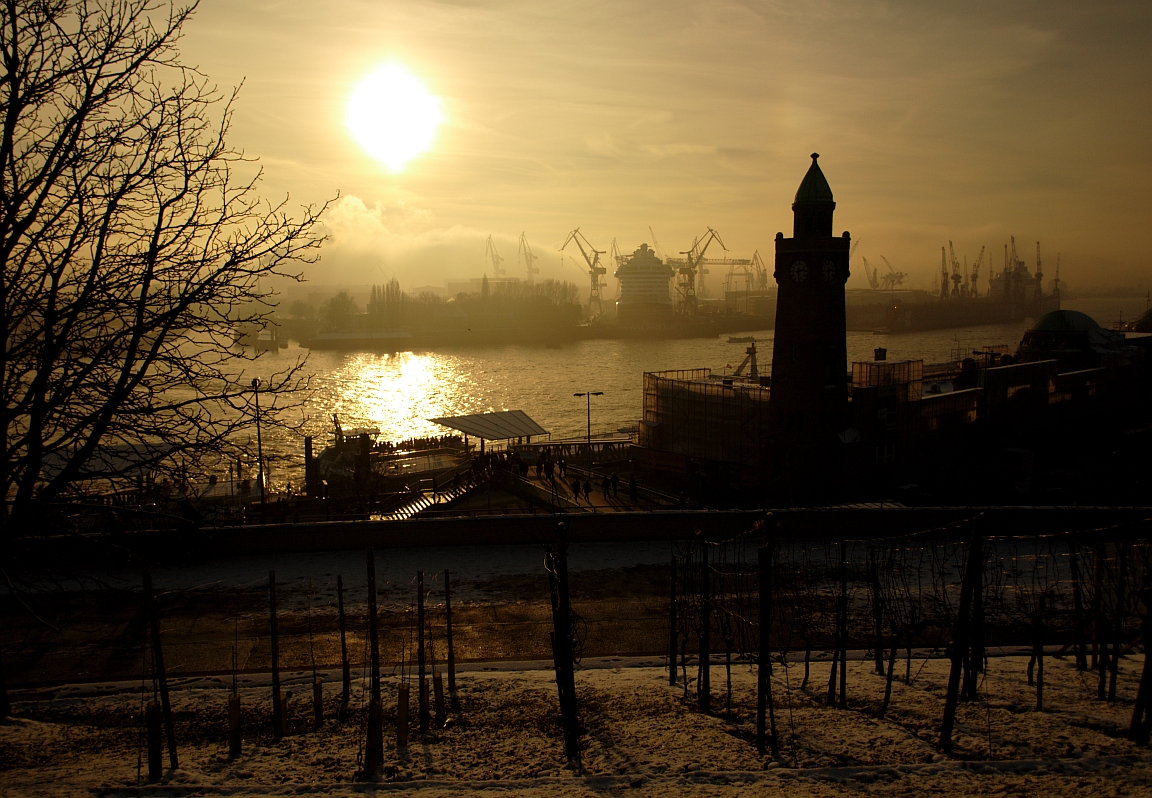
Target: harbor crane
491,254
872,273
956,277
656,245
530,258
973,287
692,269
595,271
893,279
943,274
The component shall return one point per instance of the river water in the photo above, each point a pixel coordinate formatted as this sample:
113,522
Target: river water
399,393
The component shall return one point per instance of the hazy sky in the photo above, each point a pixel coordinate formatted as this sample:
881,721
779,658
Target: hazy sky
934,121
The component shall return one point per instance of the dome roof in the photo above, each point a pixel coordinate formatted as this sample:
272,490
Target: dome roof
1065,321
814,187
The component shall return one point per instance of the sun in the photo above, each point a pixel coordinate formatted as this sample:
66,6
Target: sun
392,116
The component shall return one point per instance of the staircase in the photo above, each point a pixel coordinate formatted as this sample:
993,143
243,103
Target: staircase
423,499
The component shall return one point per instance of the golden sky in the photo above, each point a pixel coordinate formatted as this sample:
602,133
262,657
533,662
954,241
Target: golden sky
934,121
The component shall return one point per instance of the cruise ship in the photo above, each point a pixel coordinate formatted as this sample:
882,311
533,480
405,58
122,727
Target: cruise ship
644,298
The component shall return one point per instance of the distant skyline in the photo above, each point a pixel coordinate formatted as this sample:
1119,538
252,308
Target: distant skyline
934,122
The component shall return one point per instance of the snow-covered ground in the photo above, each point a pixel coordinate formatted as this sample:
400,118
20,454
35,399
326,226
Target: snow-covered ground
641,737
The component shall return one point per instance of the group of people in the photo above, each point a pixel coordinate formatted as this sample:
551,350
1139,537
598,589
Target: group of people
550,470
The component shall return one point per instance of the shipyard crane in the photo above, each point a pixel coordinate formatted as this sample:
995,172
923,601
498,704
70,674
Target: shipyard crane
692,269
761,271
974,288
1039,274
530,258
956,277
872,273
595,270
491,254
617,257
893,279
943,274
656,245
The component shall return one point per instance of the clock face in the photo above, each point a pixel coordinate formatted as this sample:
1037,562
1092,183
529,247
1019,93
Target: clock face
829,271
799,271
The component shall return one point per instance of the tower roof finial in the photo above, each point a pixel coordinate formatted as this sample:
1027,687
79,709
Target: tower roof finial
814,187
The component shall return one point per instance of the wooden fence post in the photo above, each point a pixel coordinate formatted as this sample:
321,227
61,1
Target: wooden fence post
960,640
5,704
877,609
235,729
152,723
1118,634
1038,652
1141,723
374,743
765,733
159,672
345,666
672,625
277,701
556,562
1099,624
453,699
422,696
843,626
1079,637
402,722
704,671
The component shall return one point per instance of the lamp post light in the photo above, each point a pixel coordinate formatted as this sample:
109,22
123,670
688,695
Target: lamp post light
588,395
259,446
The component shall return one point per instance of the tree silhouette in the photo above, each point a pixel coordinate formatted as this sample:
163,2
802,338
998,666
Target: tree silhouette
133,245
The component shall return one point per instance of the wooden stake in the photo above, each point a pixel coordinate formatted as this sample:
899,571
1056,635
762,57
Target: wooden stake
402,701
672,624
888,681
345,666
438,693
765,734
1118,634
960,640
375,721
277,701
877,609
152,722
374,744
453,699
234,726
1038,652
1141,723
422,696
159,672
704,672
1077,606
317,703
5,704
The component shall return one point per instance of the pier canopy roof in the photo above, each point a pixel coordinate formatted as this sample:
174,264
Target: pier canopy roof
498,426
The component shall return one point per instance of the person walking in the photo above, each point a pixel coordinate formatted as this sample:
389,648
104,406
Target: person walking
588,490
606,487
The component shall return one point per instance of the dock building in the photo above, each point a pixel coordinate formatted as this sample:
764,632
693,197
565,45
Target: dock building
817,430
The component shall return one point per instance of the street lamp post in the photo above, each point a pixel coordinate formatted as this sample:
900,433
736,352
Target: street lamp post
588,395
259,445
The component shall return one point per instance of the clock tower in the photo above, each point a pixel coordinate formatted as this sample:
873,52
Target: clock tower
809,394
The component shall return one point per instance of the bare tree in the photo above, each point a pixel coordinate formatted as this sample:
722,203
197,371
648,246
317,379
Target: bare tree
133,244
